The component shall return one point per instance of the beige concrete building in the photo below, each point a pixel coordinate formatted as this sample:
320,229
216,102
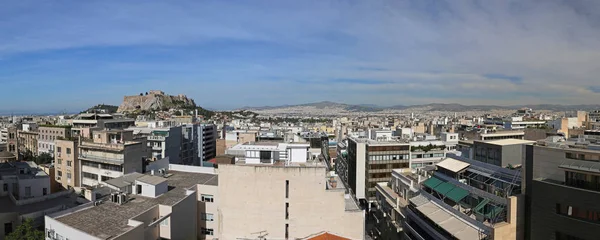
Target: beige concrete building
284,202
48,134
28,142
161,206
110,154
67,164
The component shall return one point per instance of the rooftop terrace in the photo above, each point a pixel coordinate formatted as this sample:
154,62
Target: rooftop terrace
113,218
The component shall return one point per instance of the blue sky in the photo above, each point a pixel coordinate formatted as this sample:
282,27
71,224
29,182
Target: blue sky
57,55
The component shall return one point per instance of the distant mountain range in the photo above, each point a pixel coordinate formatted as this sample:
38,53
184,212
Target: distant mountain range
447,107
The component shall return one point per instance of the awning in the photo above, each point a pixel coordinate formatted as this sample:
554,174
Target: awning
453,164
432,182
444,188
481,205
457,194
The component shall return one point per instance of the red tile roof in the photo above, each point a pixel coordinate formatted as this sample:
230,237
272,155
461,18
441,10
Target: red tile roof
327,236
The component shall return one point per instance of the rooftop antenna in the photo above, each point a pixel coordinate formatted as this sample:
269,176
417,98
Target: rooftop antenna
262,235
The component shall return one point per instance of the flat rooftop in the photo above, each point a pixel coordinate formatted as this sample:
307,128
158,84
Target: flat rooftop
8,206
109,219
506,142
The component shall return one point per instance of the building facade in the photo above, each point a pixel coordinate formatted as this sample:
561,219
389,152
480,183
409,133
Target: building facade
110,154
284,202
67,165
48,134
503,153
563,189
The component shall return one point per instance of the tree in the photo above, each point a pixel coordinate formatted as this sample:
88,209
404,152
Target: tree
43,158
25,231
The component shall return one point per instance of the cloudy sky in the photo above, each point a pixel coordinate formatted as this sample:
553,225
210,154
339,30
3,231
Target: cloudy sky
57,55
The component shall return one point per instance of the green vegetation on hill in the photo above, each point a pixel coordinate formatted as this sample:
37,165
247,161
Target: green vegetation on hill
98,108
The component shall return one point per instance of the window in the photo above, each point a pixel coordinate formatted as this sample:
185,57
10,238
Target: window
105,178
59,161
165,222
5,187
69,163
207,217
578,213
287,188
117,168
60,173
69,175
44,191
90,176
207,231
287,231
206,198
89,164
287,210
7,228
68,150
58,149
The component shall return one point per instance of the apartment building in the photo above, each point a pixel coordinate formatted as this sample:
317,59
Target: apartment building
503,153
85,123
3,135
162,204
205,137
294,201
12,141
110,154
463,199
424,153
270,152
25,193
563,189
27,142
47,134
366,162
67,166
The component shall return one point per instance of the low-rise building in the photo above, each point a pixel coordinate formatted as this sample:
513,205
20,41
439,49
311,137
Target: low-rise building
110,154
463,199
47,134
171,204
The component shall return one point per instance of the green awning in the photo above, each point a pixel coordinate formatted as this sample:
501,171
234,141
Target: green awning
494,212
432,182
481,205
457,194
444,188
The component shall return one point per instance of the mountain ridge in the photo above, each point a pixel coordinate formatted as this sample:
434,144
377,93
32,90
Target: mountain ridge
450,107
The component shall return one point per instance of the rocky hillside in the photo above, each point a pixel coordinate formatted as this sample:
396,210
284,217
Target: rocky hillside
155,100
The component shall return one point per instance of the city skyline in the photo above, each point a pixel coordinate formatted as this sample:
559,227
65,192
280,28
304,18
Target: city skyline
229,55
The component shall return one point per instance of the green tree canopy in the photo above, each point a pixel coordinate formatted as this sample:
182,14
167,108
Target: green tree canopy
25,231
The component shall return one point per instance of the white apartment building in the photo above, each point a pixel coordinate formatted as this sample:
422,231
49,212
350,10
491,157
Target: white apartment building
285,202
171,204
270,152
110,154
3,135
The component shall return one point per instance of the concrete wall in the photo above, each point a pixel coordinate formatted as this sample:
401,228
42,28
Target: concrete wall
298,154
544,219
8,217
145,219
36,184
253,199
361,165
184,219
133,158
208,207
64,230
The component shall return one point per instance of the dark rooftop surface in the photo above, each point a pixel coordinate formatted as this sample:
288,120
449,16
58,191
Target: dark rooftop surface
7,206
109,219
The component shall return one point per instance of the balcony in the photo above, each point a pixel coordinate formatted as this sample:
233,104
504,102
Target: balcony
103,159
157,138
